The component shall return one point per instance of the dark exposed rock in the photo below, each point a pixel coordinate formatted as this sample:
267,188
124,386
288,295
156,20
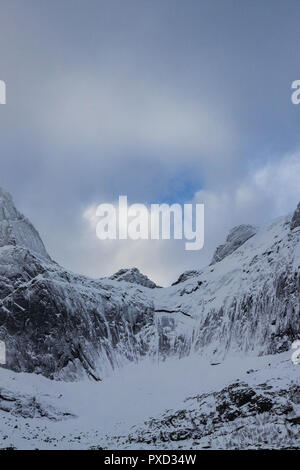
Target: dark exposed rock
15,229
186,275
215,414
65,326
295,222
28,406
134,276
236,238
295,395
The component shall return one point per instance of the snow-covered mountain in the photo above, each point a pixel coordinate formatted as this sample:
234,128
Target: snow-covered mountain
60,324
65,326
134,276
16,230
248,302
124,330
236,238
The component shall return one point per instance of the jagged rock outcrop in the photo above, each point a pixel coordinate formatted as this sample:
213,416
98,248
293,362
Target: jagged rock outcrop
246,414
236,238
186,275
59,324
30,406
15,229
134,276
295,222
66,326
247,303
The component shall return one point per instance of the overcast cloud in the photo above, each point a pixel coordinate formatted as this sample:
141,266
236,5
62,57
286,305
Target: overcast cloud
161,100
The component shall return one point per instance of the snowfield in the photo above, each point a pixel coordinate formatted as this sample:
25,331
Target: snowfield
116,412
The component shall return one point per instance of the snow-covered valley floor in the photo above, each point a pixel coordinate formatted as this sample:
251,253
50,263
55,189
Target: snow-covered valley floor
37,413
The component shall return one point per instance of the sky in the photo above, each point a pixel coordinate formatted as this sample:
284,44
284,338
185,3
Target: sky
160,100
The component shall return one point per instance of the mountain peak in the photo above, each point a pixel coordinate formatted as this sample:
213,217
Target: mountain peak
295,222
187,275
134,276
236,238
16,230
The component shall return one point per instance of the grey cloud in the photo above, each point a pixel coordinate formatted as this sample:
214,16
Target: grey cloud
156,100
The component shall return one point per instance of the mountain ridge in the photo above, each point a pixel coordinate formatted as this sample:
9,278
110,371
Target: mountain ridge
17,230
67,326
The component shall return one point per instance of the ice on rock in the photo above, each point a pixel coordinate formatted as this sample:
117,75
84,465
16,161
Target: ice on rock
259,410
186,275
15,229
134,276
295,222
236,238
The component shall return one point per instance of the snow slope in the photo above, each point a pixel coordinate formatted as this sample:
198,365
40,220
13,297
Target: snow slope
128,409
247,303
66,326
134,276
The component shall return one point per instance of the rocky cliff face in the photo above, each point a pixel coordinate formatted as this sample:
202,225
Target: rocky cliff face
134,276
186,275
247,303
67,326
258,411
236,238
295,222
59,324
16,230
